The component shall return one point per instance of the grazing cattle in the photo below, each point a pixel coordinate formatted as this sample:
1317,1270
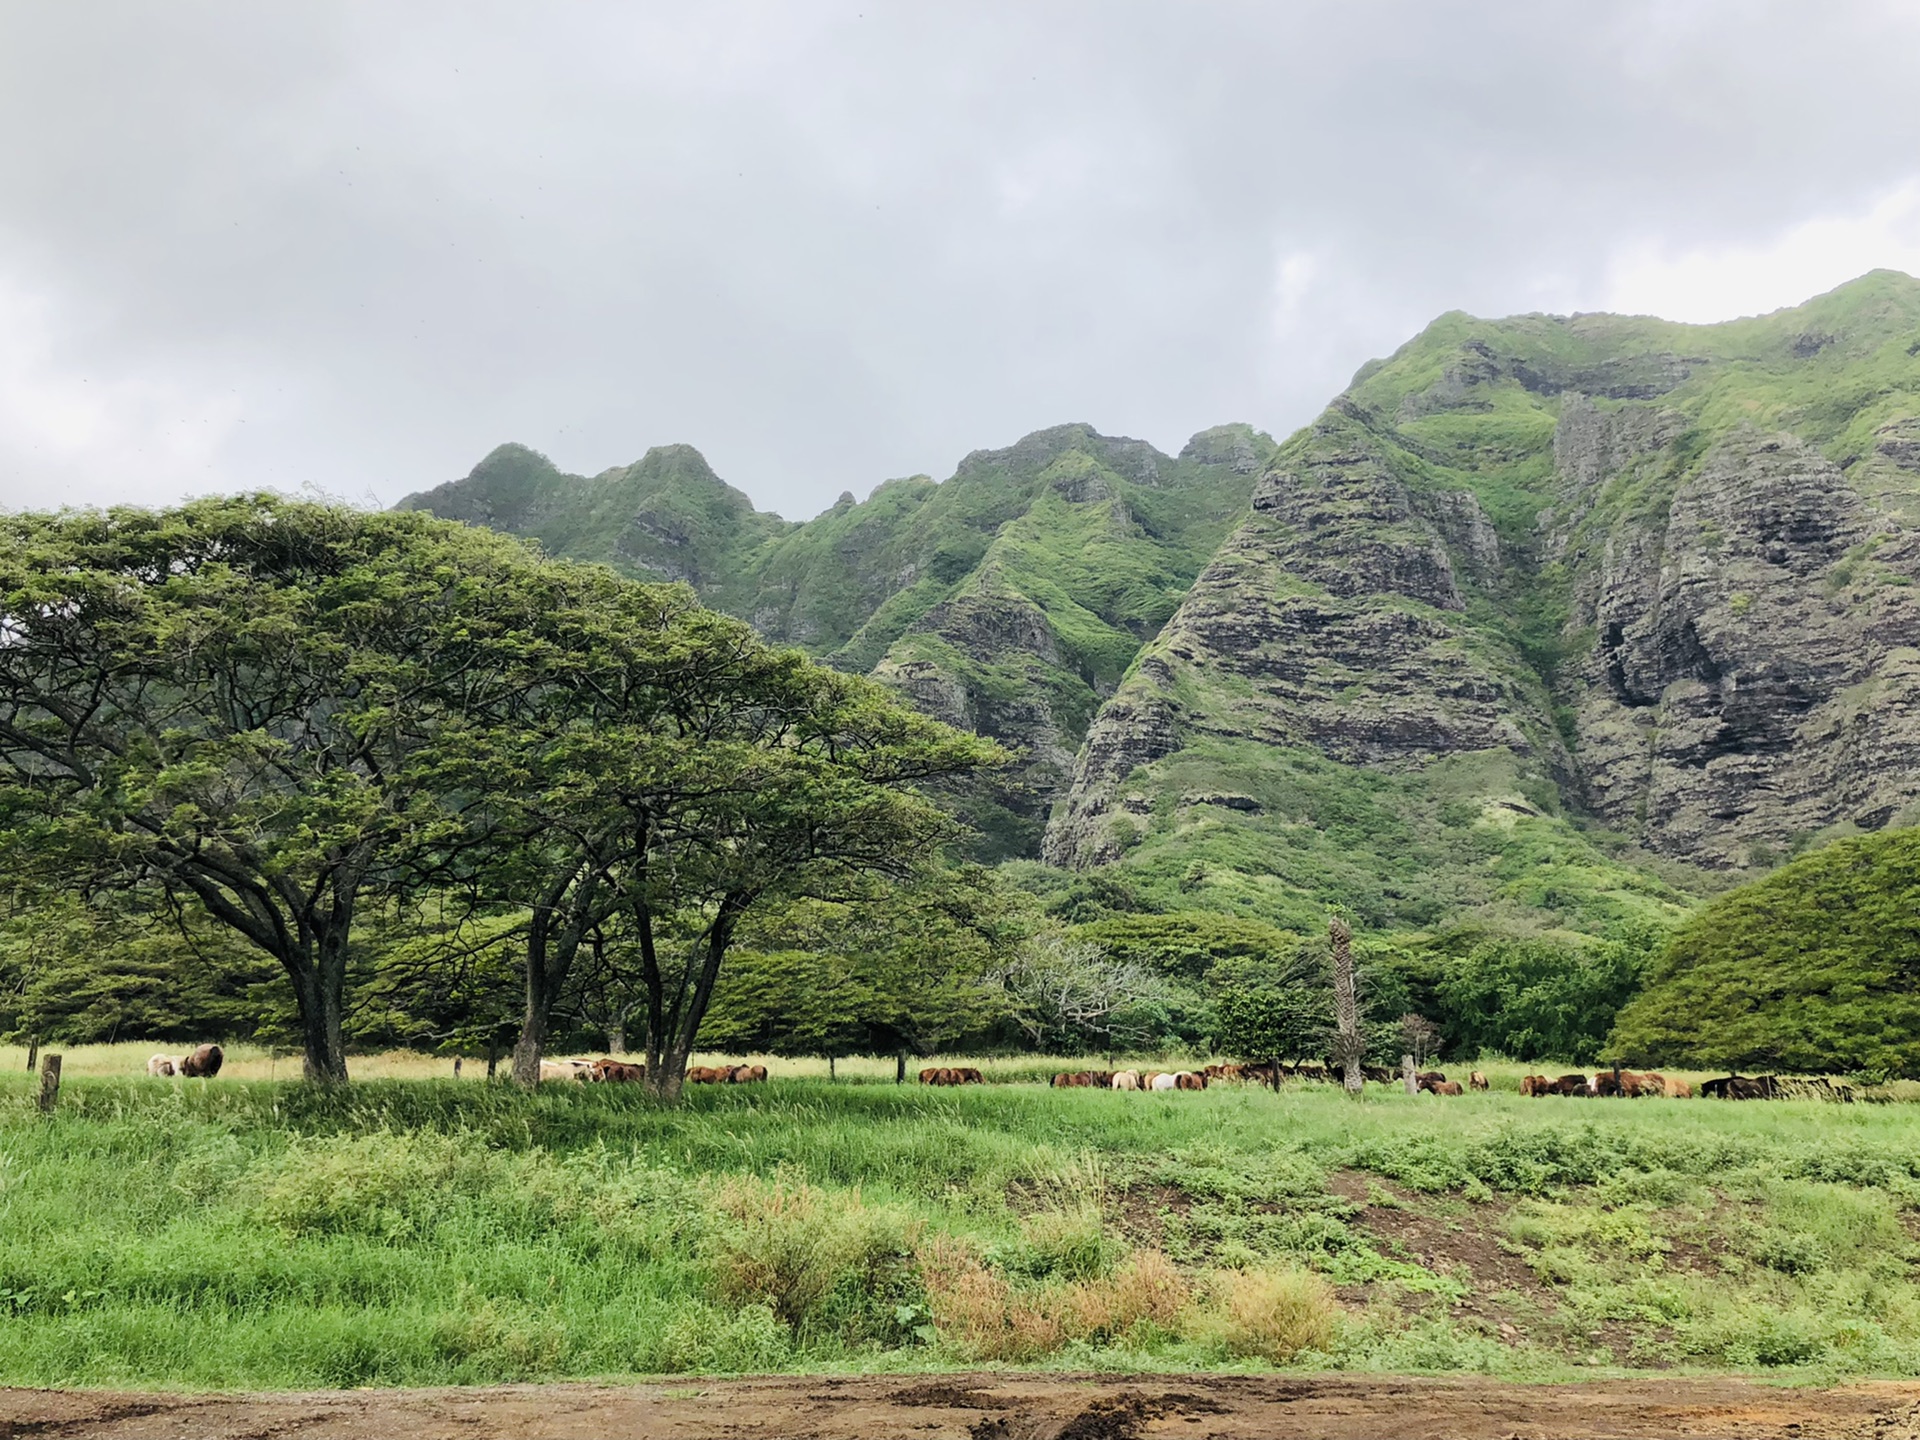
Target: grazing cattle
708,1074
565,1070
1427,1079
1083,1079
1477,1081
1570,1085
746,1074
1536,1085
616,1072
204,1063
1159,1080
1679,1090
1743,1087
1228,1072
1445,1087
1126,1080
1189,1080
165,1064
1379,1074
946,1075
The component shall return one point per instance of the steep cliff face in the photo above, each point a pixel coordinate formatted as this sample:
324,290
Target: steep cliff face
1008,599
1548,615
1753,677
1657,574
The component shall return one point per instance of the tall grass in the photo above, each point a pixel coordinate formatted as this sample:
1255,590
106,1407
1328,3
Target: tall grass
247,1233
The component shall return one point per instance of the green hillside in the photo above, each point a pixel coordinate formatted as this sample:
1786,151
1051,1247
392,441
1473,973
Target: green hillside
1550,622
1814,969
1553,615
1009,599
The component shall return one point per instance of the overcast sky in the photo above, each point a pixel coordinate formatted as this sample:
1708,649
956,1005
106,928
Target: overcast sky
352,247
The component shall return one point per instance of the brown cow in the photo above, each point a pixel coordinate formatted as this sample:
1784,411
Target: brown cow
1570,1085
1189,1080
203,1063
708,1074
1445,1087
1477,1081
969,1076
616,1072
746,1074
1536,1085
1679,1090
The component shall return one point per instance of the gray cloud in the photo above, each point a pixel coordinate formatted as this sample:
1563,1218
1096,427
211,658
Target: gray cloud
354,246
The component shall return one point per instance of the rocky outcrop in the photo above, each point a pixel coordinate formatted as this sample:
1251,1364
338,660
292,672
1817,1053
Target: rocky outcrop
1331,619
1699,615
1751,677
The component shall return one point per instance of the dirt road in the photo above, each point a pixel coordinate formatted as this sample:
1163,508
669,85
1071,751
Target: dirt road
994,1407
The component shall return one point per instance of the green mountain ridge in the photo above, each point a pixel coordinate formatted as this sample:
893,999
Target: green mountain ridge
1551,621
1009,599
1652,579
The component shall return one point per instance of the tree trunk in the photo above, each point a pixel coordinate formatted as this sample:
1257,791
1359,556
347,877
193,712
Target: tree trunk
900,1068
830,1075
551,947
617,1038
1408,1075
667,1074
1347,1010
671,1037
320,1003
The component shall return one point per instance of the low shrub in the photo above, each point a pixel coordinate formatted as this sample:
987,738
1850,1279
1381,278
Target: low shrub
987,1315
1266,1314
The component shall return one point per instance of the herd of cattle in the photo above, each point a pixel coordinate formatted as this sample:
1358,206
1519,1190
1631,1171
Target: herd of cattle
618,1072
206,1061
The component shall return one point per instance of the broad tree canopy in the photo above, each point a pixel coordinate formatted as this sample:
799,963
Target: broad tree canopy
238,701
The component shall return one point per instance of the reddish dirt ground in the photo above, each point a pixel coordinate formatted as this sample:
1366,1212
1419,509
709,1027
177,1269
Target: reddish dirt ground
995,1407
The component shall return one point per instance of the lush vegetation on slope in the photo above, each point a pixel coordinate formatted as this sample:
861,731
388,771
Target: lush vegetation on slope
262,1235
1815,968
1284,792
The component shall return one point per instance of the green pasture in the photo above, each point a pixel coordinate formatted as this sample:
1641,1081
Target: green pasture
261,1234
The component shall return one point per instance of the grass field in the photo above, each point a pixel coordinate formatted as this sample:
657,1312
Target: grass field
253,1233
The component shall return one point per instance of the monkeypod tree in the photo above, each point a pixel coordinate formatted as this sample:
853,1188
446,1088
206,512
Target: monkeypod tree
781,779
663,771
238,702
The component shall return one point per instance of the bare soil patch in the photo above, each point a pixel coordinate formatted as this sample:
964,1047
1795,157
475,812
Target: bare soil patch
999,1406
1505,1297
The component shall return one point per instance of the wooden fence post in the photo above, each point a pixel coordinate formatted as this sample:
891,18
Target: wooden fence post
1408,1074
49,1083
33,1052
